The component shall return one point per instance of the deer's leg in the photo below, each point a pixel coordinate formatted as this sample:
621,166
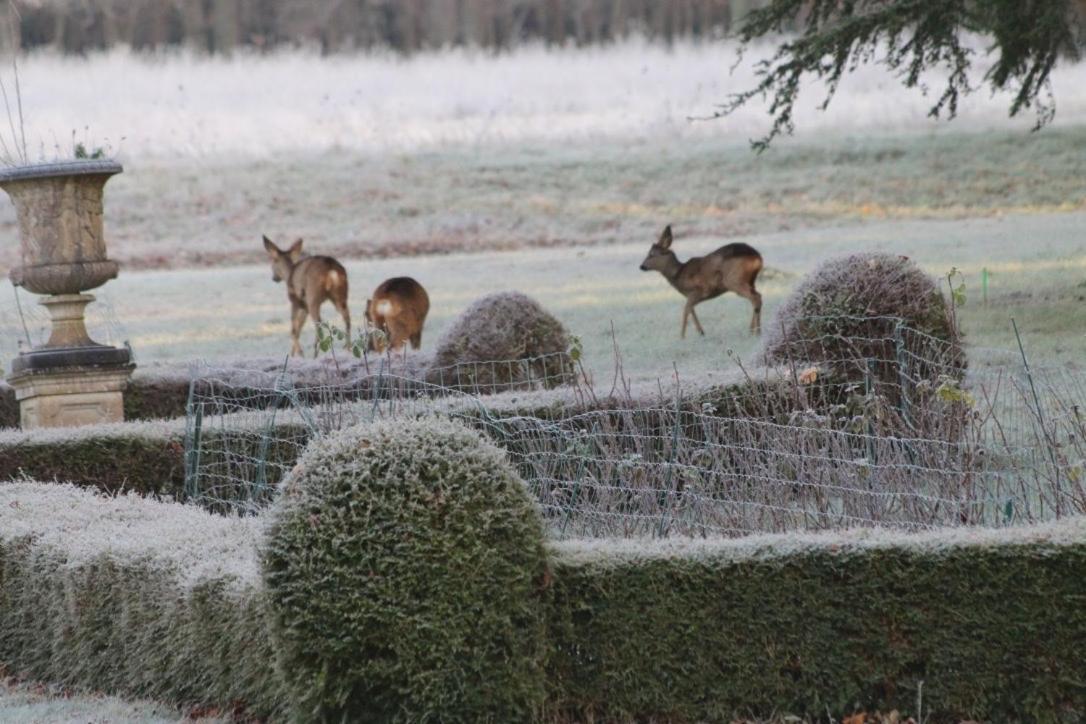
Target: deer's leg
697,324
749,292
686,313
399,333
297,321
315,315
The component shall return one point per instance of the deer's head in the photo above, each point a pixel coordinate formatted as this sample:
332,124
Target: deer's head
282,261
660,254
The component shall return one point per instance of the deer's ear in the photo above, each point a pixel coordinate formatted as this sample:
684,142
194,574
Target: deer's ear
271,248
665,238
295,250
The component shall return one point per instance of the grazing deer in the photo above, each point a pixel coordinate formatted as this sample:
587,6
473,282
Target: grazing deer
311,280
731,268
398,308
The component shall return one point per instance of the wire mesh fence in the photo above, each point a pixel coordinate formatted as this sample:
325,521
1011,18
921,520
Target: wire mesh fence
245,428
907,439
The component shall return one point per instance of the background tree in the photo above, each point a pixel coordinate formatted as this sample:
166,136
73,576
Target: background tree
1025,40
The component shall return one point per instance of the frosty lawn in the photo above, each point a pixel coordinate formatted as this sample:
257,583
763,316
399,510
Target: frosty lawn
1037,264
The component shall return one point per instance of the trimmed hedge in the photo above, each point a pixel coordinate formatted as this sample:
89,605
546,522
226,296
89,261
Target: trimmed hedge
143,457
502,341
134,597
161,392
844,315
148,457
404,567
405,578
990,623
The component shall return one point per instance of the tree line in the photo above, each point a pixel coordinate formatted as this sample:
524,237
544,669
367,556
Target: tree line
221,26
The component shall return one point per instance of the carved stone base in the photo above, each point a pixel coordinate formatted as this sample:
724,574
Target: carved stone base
70,396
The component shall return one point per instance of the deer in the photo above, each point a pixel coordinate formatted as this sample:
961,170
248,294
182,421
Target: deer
398,308
311,281
731,268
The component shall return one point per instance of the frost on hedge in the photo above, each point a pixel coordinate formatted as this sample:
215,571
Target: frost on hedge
1070,531
135,597
845,312
500,341
404,566
977,624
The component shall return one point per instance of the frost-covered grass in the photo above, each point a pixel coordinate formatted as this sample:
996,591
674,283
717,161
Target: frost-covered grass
175,213
269,105
379,156
1037,265
31,703
365,154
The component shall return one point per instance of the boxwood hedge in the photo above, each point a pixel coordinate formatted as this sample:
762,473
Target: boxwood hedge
404,566
143,457
982,625
404,577
134,597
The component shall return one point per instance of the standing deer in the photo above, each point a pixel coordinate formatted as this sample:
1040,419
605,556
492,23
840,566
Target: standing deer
731,268
311,280
398,308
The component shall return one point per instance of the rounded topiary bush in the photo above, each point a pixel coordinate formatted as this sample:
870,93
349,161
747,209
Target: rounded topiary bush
502,341
405,569
868,312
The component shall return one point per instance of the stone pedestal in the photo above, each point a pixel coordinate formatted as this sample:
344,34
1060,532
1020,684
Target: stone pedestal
70,396
71,379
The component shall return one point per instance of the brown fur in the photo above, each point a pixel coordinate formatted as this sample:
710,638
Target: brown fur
731,268
398,308
311,280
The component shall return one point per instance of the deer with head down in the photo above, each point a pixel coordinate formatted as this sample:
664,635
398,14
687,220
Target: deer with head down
731,268
398,308
311,280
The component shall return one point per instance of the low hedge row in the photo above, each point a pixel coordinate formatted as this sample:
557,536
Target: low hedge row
163,394
135,597
148,457
143,457
384,565
983,625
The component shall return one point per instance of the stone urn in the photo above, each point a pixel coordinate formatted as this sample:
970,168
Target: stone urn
71,379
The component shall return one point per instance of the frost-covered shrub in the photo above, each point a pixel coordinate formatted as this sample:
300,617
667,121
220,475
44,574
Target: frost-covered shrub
148,457
134,597
847,312
502,341
404,566
972,624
